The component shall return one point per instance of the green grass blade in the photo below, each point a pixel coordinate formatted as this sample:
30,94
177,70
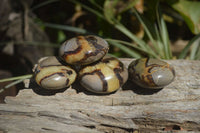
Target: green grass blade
16,78
139,41
195,49
127,50
149,34
95,4
197,57
66,27
159,42
164,34
184,52
41,44
11,84
133,37
43,4
126,43
88,8
131,45
165,37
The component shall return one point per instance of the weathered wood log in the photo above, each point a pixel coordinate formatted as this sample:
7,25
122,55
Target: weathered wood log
176,107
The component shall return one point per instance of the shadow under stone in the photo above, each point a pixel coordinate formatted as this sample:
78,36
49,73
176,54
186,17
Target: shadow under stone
129,85
80,89
44,92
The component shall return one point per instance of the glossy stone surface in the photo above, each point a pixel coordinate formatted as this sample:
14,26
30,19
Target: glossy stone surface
83,50
106,76
50,73
151,73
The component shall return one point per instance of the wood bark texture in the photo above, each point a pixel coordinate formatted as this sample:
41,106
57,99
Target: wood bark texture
175,108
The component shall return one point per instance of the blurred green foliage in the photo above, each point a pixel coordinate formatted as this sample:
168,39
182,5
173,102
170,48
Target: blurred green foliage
115,20
190,11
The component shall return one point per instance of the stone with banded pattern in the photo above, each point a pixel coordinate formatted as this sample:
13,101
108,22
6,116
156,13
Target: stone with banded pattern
83,50
106,76
151,73
51,73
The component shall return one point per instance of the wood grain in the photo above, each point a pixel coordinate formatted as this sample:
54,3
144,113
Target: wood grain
175,108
